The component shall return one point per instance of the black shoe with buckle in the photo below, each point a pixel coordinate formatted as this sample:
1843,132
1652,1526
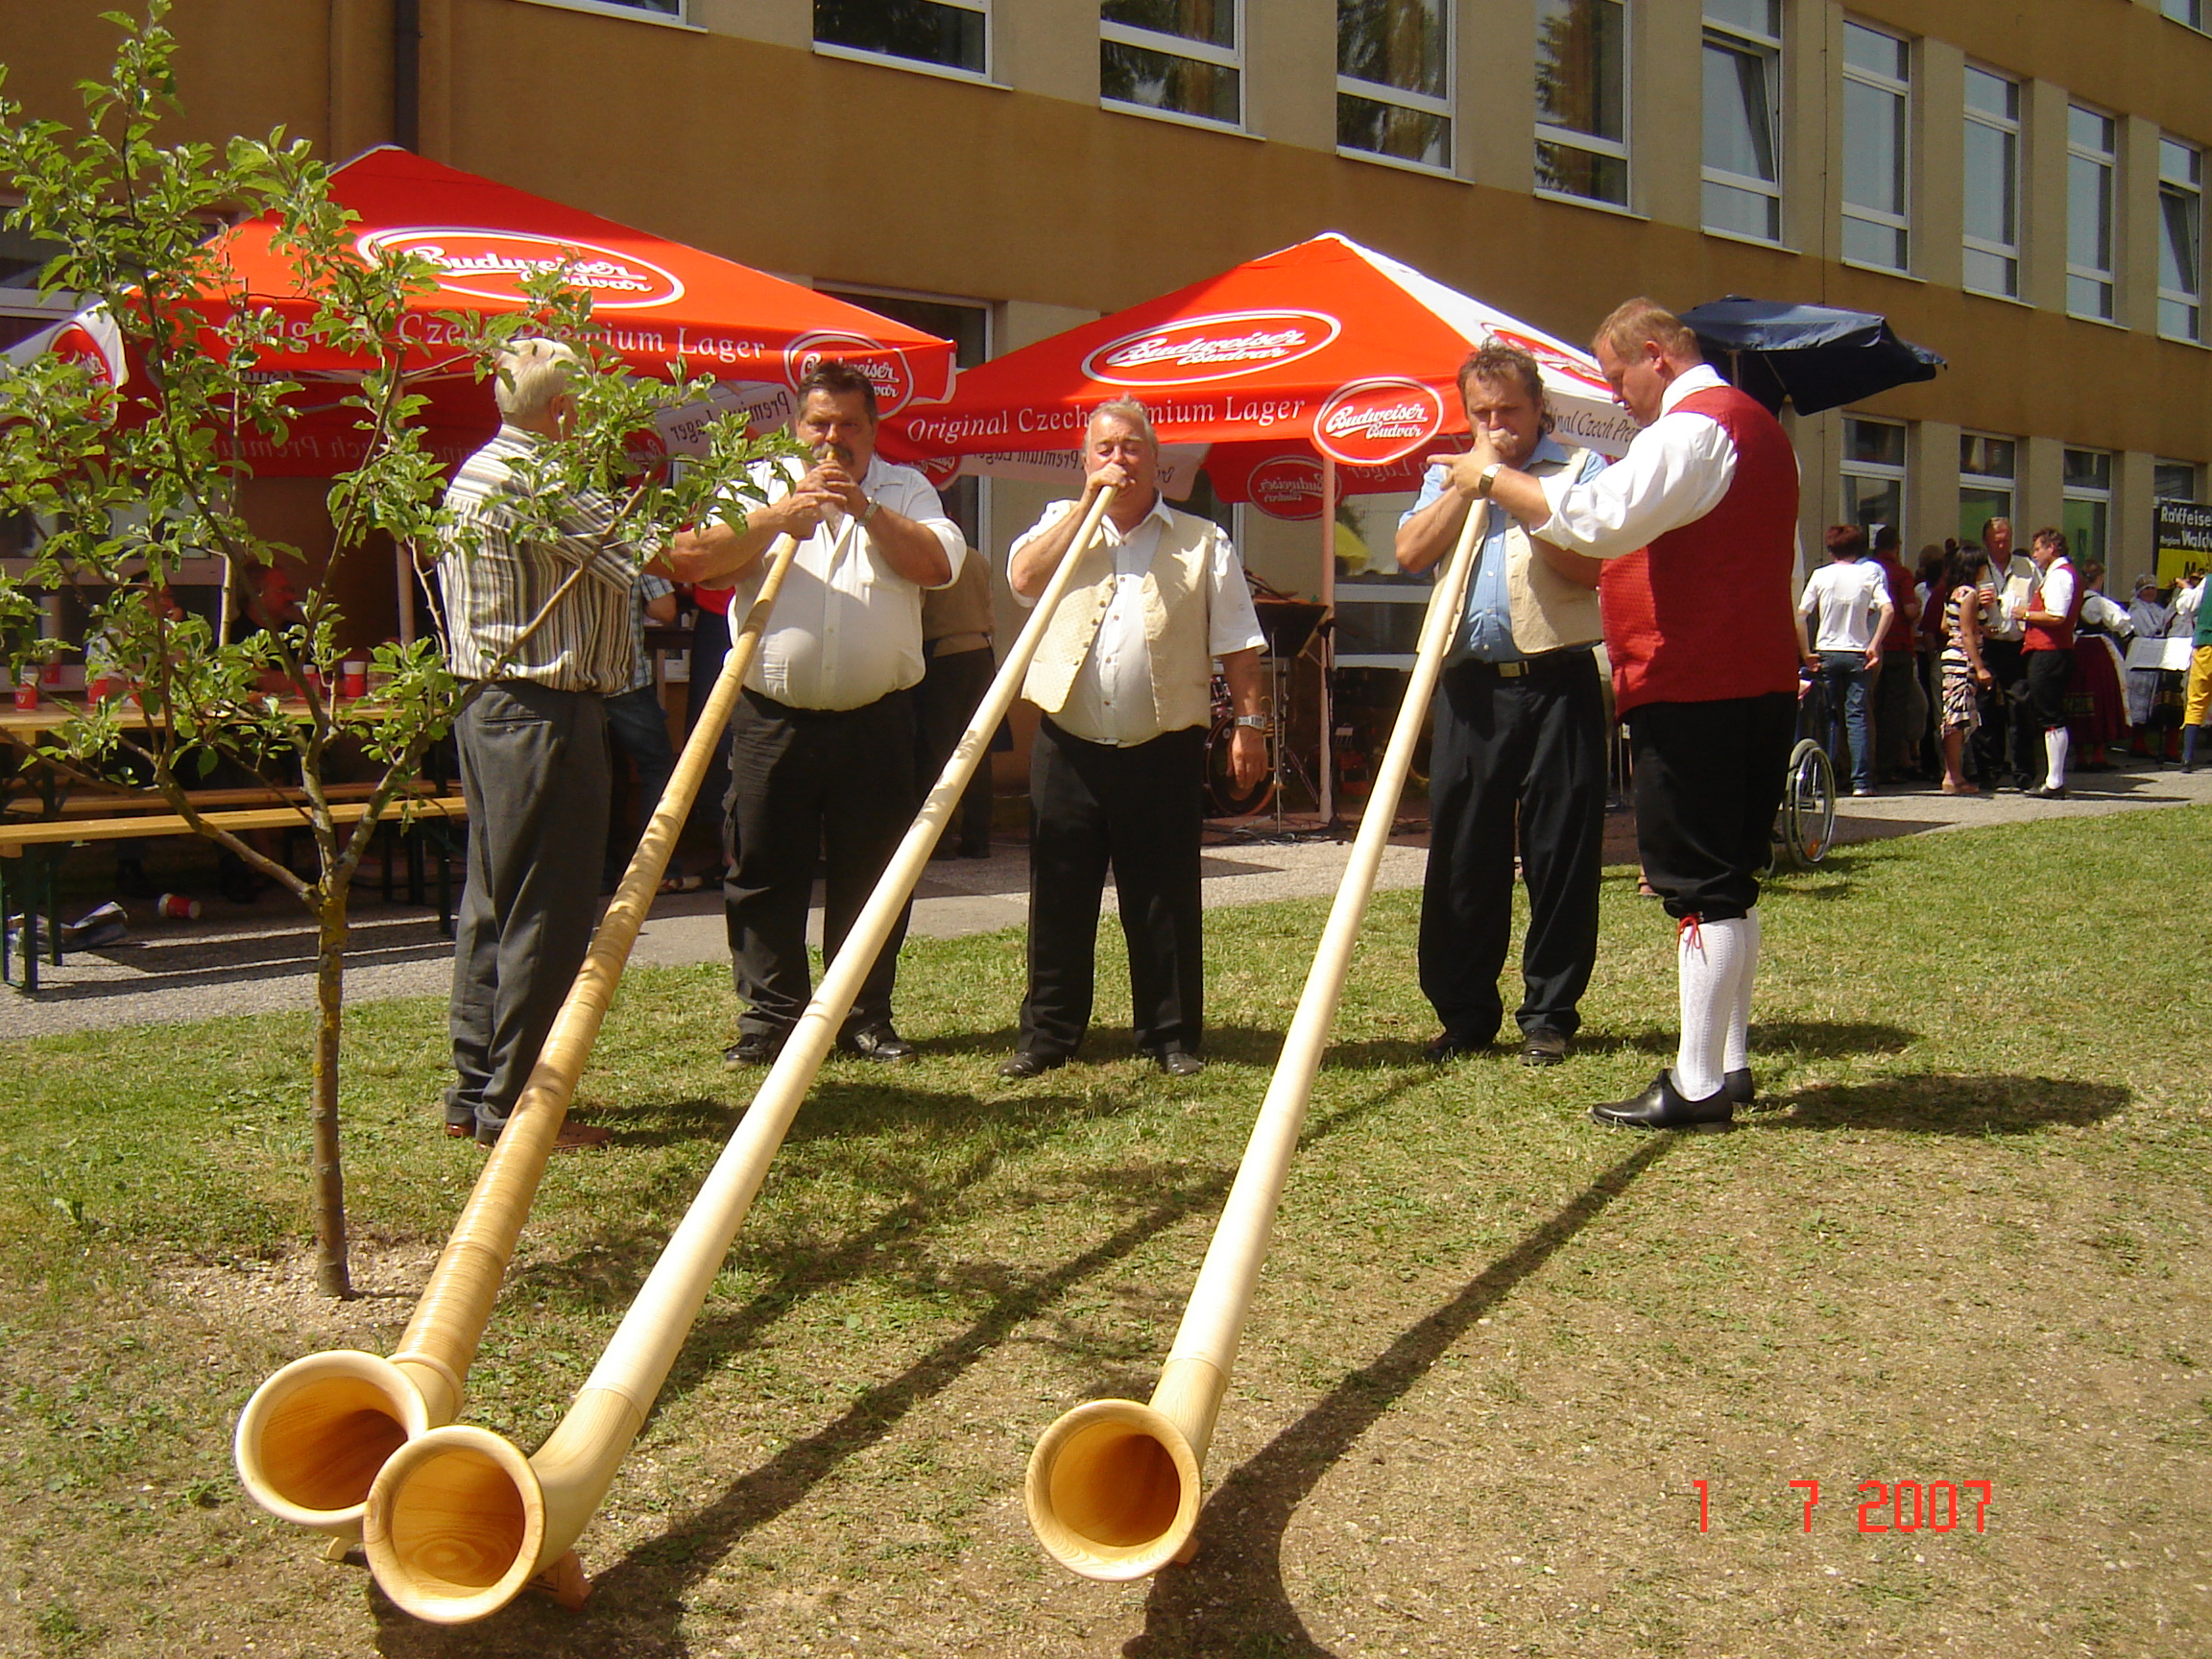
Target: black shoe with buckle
1543,1046
1179,1063
1029,1062
1444,1048
1662,1107
753,1049
877,1041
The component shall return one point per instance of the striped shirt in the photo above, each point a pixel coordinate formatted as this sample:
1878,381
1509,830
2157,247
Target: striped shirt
498,580
649,588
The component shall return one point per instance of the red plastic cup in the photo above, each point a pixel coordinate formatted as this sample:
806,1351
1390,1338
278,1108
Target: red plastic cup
177,907
353,680
101,688
27,691
50,675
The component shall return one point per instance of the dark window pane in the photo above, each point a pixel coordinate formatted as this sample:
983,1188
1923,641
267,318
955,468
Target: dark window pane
1212,21
1393,129
1392,43
1752,17
1581,173
1875,440
1582,48
1739,113
1163,81
950,37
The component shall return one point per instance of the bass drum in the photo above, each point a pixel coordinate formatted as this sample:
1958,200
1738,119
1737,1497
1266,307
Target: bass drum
1224,798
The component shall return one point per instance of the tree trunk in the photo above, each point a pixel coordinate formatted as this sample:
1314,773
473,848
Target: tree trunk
331,1275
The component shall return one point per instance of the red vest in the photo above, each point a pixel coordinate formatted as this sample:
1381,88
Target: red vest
2060,636
1705,613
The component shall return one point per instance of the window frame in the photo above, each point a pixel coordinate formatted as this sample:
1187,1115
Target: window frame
2193,189
1444,109
1728,35
985,77
680,19
1182,46
2090,495
1898,473
2199,19
1901,90
2013,126
2175,463
1589,143
2109,161
1989,482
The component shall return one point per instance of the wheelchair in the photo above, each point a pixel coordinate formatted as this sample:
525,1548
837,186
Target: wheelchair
1804,826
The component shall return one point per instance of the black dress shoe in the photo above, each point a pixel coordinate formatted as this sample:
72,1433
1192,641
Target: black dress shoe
2046,793
878,1043
1178,1063
1543,1046
1027,1062
1660,1107
754,1048
1738,1086
1444,1048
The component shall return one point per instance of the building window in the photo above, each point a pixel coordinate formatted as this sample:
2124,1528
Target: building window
1744,118
2089,171
1992,184
1177,56
2181,240
1877,127
2087,511
1987,469
1582,99
1394,79
943,34
2195,14
2174,480
1873,472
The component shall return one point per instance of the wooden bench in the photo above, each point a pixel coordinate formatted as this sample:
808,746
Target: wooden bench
51,834
104,803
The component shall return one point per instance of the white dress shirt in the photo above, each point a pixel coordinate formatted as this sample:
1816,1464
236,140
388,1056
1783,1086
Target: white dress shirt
1676,470
847,628
2054,591
1111,701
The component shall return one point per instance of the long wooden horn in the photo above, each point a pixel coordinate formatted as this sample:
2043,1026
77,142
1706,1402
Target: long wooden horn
459,1521
310,1441
1113,1487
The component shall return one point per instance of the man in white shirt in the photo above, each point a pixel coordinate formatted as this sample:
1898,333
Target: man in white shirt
2007,579
1123,675
822,742
1850,594
1698,526
2047,651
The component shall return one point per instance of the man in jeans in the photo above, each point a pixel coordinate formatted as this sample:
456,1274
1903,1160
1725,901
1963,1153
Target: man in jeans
1851,597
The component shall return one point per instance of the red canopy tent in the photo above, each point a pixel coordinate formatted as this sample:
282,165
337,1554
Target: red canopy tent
1323,370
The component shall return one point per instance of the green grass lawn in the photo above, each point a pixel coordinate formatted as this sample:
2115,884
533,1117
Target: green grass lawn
1960,1238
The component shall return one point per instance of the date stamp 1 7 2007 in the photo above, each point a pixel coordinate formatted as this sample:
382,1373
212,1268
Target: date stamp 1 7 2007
1895,1507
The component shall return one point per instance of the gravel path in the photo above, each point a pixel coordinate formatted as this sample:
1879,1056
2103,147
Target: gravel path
260,959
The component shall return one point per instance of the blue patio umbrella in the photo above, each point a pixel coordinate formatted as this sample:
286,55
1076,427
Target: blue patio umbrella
1817,356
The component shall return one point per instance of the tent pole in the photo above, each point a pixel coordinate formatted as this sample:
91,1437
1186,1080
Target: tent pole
1328,773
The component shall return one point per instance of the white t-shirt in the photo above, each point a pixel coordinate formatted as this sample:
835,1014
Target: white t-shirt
1846,594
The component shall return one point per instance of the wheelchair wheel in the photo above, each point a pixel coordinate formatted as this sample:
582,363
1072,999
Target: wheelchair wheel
1224,798
1808,805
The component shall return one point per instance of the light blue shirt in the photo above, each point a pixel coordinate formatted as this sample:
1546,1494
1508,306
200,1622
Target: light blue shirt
1486,634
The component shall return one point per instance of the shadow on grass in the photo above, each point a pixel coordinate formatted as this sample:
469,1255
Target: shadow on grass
1231,1597
1934,1103
644,1589
1102,1045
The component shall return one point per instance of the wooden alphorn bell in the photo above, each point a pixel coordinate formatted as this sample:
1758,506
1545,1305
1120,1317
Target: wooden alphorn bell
311,1439
1113,1487
458,1520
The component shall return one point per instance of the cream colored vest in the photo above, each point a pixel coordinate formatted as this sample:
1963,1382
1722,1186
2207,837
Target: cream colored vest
1549,612
1176,629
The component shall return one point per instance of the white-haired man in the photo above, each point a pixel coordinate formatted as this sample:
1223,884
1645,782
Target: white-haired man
1124,676
532,742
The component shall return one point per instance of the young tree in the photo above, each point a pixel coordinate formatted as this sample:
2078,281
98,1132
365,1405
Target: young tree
130,481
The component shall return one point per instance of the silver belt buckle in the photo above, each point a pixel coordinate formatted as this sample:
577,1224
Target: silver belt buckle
1511,670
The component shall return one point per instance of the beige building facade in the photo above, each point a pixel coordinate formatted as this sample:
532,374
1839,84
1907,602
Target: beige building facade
2017,183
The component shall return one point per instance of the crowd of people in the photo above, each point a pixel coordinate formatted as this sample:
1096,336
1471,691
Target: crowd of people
1680,557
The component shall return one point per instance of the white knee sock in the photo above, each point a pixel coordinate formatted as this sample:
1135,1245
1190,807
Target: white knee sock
1736,1053
2055,742
1709,958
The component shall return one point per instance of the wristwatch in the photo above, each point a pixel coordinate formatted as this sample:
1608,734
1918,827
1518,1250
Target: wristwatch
871,513
1251,722
1487,481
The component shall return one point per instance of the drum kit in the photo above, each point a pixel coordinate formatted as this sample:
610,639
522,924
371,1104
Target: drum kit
1293,627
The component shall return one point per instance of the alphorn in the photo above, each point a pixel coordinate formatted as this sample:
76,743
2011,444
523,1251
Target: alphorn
1113,1487
311,1439
458,1520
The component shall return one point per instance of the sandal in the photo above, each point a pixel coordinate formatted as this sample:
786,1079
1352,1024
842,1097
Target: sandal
681,883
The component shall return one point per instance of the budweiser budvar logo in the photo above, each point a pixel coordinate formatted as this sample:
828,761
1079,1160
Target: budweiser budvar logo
492,265
1211,348
887,370
1287,487
1368,422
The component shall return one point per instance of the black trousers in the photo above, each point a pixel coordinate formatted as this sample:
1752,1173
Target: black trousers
2046,673
1709,779
1997,740
1136,810
535,773
801,779
1529,750
944,702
